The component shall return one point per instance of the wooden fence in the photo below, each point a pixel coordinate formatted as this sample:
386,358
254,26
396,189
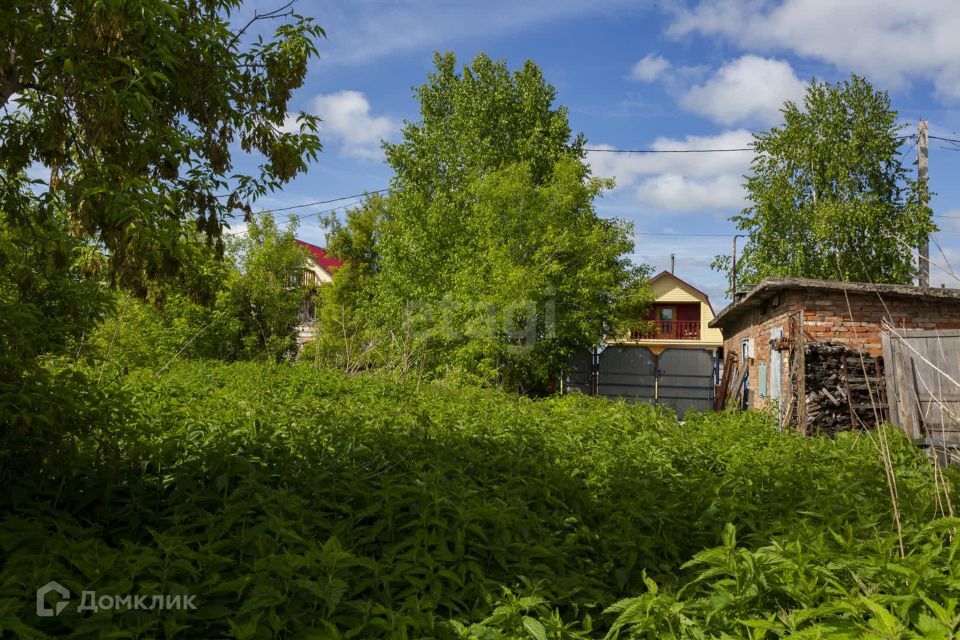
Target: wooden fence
922,370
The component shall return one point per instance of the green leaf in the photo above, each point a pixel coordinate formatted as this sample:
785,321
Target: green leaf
533,626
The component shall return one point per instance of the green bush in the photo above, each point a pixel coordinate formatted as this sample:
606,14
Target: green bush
297,503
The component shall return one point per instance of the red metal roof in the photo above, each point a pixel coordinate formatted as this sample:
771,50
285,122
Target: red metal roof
320,255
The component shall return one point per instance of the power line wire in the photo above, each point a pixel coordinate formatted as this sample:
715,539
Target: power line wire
750,148
313,204
595,150
590,149
692,235
307,215
944,139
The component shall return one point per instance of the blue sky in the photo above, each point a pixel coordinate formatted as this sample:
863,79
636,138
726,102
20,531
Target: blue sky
665,75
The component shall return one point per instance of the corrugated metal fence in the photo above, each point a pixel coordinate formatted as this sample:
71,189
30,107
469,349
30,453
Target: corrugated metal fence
682,379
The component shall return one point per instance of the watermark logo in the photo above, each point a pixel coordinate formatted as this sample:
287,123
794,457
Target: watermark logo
519,324
92,601
44,610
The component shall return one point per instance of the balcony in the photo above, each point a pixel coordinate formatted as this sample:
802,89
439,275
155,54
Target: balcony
669,330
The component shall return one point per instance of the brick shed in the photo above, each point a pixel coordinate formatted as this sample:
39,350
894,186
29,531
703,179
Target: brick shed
826,329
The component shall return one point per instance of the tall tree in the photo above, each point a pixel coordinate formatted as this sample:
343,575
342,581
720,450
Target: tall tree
488,247
119,121
134,110
266,293
829,194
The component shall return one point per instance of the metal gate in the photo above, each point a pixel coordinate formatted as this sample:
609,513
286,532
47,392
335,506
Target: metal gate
687,380
627,372
682,379
581,373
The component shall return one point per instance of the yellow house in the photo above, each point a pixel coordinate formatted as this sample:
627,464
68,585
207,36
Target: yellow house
680,317
674,362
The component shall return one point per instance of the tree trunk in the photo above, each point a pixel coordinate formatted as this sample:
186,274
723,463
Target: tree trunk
9,79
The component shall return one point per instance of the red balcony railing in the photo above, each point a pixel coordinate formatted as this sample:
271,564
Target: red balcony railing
669,330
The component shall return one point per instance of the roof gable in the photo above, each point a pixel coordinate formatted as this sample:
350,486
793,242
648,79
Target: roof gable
683,284
326,261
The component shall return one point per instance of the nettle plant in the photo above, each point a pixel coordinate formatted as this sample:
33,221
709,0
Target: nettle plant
296,502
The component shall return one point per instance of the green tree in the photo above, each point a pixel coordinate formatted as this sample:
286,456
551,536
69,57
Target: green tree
488,251
255,301
266,293
135,109
346,341
829,194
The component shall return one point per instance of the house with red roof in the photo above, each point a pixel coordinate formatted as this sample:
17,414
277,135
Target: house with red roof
320,264
318,269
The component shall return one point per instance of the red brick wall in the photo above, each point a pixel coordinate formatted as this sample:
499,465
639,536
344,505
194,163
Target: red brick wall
827,316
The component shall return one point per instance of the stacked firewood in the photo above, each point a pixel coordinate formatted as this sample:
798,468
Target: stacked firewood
844,389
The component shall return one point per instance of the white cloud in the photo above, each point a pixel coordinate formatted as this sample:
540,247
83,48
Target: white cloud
889,40
673,192
345,116
237,227
748,89
649,68
682,181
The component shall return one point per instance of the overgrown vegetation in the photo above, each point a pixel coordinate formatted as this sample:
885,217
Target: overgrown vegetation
296,502
120,127
292,501
257,296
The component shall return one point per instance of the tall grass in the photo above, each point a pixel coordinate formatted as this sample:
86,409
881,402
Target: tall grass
298,503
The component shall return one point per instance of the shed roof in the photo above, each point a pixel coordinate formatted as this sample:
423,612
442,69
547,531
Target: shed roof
771,286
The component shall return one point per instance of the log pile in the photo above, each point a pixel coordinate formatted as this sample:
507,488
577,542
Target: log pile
844,390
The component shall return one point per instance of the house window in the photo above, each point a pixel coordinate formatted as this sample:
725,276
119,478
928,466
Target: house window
666,314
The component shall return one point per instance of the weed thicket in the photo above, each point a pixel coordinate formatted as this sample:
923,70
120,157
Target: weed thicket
298,503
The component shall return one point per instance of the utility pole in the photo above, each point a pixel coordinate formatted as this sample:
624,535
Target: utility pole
924,251
733,284
673,262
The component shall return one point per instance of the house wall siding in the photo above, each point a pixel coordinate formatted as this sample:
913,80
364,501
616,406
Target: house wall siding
668,290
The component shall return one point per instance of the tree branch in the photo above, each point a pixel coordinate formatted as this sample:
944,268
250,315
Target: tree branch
281,12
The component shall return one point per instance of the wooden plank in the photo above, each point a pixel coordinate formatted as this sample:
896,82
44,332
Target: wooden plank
930,333
922,368
905,390
889,366
737,394
802,372
846,387
729,362
935,363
